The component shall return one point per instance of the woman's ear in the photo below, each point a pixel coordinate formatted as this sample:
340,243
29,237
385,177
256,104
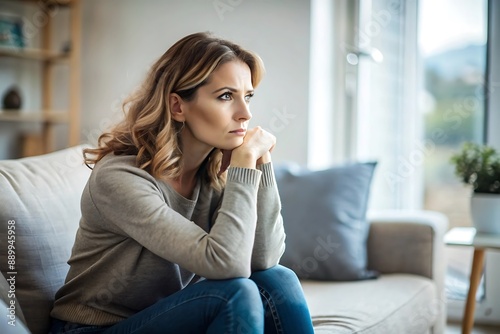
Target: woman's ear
176,105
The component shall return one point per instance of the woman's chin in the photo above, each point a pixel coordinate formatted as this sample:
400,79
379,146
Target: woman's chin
227,147
231,146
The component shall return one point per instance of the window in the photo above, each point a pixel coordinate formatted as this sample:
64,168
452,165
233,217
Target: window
452,102
408,89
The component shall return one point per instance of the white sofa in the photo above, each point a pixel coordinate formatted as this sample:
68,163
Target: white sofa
407,248
41,196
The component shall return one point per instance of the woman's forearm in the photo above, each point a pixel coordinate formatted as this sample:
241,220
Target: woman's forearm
269,242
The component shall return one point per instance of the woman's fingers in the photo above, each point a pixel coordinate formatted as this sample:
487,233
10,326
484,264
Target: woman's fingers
260,140
256,144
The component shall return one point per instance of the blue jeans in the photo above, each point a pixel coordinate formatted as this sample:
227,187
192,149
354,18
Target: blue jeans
270,301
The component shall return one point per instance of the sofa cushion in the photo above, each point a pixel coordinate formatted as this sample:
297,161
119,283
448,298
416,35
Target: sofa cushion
41,196
392,304
324,214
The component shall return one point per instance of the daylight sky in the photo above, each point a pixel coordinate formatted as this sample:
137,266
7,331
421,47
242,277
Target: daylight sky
450,23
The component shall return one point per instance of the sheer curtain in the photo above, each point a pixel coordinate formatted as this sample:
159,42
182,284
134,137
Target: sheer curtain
363,94
389,127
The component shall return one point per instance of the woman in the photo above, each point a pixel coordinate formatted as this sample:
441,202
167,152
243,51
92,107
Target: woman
181,229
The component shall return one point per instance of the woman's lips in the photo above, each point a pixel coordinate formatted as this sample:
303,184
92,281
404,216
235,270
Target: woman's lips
240,132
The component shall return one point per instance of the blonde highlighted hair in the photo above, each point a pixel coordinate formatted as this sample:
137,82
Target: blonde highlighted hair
148,130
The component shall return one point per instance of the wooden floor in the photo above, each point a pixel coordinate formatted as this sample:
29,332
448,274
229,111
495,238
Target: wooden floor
455,328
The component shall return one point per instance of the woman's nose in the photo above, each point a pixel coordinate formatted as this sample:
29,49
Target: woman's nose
243,112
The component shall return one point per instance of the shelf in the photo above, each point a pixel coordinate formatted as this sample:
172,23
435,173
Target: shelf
61,3
33,117
37,54
47,120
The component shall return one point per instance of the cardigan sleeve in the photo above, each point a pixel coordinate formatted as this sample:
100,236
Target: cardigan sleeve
269,244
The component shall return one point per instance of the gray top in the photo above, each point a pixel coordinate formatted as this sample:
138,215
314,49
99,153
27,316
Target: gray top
140,241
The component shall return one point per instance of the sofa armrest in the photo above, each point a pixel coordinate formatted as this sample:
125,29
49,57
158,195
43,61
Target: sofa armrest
411,242
407,242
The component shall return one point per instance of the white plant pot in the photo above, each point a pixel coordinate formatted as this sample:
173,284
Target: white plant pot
485,212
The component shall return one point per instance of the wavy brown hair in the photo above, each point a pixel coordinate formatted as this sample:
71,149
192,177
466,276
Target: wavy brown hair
148,130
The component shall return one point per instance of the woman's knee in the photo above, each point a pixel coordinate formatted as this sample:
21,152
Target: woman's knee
242,288
236,291
283,271
279,273
280,283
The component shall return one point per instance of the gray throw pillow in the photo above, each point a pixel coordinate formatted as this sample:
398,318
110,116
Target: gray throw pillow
324,214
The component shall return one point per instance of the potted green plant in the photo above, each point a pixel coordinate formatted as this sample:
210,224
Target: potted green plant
479,166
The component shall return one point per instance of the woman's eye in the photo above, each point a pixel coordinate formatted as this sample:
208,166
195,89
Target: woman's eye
225,96
248,97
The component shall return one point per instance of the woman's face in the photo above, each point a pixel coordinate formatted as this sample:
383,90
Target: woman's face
219,113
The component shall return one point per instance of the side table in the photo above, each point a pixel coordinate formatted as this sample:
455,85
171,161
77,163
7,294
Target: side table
467,236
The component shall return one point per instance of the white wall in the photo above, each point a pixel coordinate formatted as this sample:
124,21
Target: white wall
121,38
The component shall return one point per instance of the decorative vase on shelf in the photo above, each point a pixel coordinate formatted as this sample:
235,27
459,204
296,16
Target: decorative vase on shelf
12,99
485,212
